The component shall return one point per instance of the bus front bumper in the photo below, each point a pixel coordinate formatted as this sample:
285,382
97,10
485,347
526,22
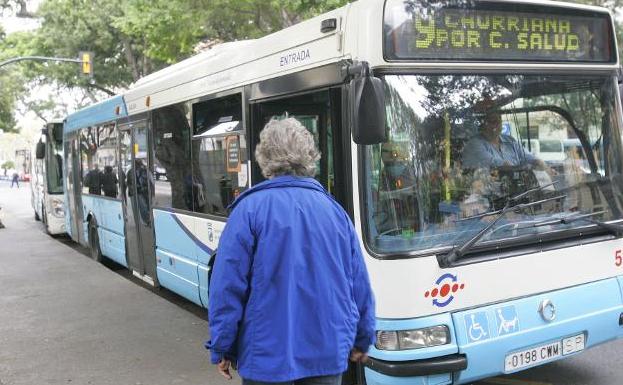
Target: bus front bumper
490,340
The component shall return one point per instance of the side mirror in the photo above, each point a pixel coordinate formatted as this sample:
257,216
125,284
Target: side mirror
367,107
40,150
57,133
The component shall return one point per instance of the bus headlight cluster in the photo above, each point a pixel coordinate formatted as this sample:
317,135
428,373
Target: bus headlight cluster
57,209
412,339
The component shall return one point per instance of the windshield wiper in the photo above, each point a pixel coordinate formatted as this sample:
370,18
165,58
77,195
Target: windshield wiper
614,229
458,252
510,200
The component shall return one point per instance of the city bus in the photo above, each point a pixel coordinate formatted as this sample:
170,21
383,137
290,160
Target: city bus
46,182
484,259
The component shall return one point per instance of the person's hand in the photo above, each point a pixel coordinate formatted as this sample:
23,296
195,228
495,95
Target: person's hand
223,368
540,165
357,355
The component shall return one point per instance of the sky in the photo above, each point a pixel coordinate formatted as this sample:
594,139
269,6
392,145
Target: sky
14,24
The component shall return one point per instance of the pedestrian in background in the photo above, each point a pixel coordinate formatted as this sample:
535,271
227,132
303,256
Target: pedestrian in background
93,180
15,179
290,299
110,182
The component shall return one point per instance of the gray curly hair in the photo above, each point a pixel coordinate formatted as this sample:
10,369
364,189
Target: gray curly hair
286,148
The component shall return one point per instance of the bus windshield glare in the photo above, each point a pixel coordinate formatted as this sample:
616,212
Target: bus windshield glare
461,145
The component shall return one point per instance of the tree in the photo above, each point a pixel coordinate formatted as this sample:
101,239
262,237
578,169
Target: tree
12,89
129,39
17,7
8,165
230,20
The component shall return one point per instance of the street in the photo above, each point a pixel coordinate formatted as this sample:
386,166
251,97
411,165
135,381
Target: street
66,319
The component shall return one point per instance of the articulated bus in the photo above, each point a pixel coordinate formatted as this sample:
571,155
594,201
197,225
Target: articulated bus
484,258
46,182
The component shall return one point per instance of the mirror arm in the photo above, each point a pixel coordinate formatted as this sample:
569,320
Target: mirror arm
356,69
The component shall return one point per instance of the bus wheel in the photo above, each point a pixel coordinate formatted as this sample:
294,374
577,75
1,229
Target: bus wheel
94,242
44,219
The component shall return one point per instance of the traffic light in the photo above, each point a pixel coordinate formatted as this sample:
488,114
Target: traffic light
86,62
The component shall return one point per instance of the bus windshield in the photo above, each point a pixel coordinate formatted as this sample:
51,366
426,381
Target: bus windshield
460,146
54,167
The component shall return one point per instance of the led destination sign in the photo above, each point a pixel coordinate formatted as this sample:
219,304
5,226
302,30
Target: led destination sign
468,33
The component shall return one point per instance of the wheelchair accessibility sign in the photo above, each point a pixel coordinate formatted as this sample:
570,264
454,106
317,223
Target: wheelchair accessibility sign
507,320
477,326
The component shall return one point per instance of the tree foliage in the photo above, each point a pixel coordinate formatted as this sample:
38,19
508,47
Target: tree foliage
130,39
247,19
8,165
12,88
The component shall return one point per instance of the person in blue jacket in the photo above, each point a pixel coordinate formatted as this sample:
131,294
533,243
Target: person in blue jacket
290,299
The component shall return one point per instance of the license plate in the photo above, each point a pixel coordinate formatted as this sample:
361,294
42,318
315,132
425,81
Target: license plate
543,353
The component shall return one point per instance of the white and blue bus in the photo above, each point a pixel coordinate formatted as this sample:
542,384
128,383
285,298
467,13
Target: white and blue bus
46,180
479,267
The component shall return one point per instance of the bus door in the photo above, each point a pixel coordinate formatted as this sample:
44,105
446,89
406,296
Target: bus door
320,113
73,187
137,188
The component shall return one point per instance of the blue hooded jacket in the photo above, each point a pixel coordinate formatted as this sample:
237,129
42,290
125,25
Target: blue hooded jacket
290,294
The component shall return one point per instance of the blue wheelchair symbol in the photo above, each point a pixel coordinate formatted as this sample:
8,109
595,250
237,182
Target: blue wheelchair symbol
507,320
477,326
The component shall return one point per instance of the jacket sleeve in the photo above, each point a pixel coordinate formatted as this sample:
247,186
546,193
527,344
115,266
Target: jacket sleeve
366,327
229,285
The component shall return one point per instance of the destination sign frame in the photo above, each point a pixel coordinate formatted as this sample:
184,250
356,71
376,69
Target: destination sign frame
474,31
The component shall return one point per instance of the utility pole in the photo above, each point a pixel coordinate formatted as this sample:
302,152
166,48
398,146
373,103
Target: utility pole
85,59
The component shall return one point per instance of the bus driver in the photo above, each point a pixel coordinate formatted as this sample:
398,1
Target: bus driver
491,149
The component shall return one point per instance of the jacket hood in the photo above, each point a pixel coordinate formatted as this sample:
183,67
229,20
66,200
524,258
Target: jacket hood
284,181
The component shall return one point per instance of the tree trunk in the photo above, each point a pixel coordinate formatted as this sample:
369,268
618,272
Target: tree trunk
129,56
23,11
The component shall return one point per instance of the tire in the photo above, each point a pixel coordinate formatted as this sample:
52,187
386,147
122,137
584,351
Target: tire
94,242
44,220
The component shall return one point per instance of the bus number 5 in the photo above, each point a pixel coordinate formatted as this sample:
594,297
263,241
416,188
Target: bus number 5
618,258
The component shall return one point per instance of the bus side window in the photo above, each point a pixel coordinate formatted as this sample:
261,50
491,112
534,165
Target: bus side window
219,155
89,143
171,136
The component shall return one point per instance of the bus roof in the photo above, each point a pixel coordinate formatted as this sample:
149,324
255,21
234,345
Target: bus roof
104,111
234,64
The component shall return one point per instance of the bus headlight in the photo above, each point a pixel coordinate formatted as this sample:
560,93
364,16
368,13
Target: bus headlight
412,339
57,209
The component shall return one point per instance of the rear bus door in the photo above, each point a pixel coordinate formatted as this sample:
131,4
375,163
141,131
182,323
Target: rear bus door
137,194
73,188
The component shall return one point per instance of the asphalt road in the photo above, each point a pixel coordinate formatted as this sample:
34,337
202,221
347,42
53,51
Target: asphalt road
65,319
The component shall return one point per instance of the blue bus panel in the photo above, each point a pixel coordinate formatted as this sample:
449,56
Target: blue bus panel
487,335
104,111
108,214
176,251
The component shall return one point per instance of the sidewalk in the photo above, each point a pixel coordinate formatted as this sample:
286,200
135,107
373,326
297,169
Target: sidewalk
65,319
